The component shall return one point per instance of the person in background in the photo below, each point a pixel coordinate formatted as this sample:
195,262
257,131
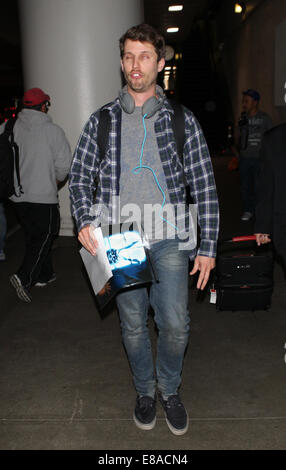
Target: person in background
44,160
270,214
248,136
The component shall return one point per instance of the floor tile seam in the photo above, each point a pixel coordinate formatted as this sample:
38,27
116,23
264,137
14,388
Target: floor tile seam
83,420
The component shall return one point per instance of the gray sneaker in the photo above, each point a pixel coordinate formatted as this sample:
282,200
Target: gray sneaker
45,283
22,293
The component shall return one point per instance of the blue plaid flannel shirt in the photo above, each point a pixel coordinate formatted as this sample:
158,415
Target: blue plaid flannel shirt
89,173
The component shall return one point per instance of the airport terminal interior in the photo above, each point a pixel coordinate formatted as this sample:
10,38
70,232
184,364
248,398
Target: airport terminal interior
64,377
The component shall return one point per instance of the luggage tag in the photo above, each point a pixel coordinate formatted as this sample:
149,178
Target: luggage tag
213,295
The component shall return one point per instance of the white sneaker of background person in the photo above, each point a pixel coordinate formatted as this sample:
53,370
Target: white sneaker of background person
246,216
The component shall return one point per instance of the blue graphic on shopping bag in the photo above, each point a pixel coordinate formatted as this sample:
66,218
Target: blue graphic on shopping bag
124,249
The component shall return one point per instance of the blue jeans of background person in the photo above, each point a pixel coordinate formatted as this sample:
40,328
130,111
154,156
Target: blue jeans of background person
169,300
248,169
3,227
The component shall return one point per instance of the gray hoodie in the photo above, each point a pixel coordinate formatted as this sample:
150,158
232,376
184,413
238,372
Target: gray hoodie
44,155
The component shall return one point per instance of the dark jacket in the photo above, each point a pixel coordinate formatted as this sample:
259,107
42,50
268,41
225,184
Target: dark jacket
271,195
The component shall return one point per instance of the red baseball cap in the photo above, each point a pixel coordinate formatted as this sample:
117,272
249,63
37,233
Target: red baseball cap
35,96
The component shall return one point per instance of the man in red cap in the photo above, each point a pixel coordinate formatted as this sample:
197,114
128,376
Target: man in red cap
34,97
44,161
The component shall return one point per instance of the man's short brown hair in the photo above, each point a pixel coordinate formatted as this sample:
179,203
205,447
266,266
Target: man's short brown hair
144,33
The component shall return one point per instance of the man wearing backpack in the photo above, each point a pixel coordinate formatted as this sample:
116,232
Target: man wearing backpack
142,166
44,160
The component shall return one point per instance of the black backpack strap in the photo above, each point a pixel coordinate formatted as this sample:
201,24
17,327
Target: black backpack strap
178,124
9,126
103,131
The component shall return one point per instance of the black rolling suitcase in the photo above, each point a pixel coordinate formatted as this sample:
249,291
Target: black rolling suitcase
243,275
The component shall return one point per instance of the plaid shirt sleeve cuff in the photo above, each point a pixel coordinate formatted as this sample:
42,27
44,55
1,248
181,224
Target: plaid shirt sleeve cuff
207,248
83,222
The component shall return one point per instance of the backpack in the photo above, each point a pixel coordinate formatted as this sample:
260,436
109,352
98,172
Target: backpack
178,124
9,159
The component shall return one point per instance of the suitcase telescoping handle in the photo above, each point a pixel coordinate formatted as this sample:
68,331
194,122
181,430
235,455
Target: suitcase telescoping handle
243,238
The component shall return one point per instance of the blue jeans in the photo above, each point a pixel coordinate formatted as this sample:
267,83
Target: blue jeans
3,227
169,300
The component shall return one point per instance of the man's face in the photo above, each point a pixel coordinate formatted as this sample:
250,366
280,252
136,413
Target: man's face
140,66
248,104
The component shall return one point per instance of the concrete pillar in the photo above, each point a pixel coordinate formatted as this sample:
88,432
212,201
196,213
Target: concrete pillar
70,50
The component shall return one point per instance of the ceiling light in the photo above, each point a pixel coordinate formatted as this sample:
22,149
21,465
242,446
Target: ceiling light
239,7
175,7
172,30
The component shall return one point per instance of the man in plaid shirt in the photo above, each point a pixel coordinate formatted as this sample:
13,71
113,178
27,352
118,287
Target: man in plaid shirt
141,166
